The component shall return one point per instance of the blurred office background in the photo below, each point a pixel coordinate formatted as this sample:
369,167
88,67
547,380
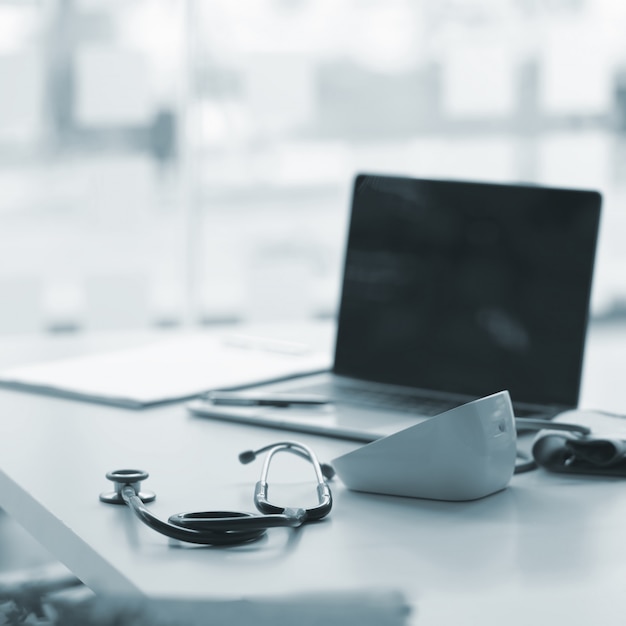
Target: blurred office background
171,162
165,162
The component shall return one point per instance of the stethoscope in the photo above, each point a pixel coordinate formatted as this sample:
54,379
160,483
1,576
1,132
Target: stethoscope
226,527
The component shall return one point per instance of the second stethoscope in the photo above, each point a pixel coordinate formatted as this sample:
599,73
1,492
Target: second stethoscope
226,527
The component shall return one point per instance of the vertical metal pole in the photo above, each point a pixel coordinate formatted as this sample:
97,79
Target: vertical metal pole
189,169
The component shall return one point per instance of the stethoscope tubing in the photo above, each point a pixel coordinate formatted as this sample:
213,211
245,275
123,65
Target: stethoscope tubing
223,530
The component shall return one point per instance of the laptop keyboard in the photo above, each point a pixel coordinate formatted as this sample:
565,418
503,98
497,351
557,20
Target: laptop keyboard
387,399
380,399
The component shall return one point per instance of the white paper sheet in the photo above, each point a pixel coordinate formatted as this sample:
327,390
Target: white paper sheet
167,370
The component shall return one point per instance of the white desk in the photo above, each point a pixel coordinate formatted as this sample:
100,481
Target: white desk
549,549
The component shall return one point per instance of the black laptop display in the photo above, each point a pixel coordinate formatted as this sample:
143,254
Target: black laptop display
468,288
452,291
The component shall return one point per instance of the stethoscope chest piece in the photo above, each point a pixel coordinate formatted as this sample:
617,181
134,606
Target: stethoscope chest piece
123,478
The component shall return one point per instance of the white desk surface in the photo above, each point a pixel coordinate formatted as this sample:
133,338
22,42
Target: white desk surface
548,549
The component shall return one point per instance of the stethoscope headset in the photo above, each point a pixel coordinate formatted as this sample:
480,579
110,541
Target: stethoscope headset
221,528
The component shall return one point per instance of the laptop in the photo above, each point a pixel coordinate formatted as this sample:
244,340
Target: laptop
451,291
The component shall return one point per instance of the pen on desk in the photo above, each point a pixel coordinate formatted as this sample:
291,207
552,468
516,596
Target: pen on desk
263,399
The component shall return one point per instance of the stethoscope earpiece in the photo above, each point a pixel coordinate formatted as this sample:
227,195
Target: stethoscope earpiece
247,456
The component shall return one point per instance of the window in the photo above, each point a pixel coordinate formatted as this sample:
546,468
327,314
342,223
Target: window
170,161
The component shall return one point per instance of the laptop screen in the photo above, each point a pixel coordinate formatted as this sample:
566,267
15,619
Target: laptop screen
468,288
